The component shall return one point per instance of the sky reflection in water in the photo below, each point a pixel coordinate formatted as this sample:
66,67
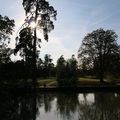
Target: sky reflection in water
60,106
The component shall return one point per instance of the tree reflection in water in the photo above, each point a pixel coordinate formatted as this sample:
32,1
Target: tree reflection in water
14,107
67,105
105,106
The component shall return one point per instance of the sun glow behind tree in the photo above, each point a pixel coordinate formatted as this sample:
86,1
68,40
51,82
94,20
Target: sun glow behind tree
39,17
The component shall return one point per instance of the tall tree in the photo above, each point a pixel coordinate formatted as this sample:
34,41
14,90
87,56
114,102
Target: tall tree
40,13
97,47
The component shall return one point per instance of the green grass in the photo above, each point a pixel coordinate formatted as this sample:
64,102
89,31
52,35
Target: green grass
52,81
47,82
81,81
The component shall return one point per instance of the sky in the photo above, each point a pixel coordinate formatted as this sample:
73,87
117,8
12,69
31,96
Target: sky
75,19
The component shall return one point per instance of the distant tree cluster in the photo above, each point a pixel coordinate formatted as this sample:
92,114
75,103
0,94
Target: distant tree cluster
19,70
46,67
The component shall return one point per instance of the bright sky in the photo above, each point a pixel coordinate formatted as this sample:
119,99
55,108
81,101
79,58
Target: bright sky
74,20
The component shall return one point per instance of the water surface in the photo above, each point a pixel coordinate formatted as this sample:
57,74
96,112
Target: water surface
60,106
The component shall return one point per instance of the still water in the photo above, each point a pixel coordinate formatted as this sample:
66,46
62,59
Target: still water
60,106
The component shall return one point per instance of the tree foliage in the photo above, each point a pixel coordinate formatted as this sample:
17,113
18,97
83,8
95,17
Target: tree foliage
40,12
67,71
24,44
48,65
6,28
46,68
5,54
97,49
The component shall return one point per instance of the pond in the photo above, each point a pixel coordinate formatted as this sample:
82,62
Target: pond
60,106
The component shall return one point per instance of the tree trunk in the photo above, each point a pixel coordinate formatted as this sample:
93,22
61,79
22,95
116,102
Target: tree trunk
34,50
101,63
101,69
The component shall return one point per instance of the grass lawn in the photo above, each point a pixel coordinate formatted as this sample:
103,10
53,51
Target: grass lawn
81,81
47,82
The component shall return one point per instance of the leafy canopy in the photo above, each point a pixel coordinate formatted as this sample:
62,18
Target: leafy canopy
97,44
40,12
98,49
6,28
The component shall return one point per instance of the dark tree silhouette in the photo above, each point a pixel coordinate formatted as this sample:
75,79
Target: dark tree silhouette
45,67
67,71
48,65
24,44
6,29
61,70
97,47
5,54
41,13
71,70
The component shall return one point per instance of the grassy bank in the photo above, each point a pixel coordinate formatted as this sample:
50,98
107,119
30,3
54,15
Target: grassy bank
52,82
81,81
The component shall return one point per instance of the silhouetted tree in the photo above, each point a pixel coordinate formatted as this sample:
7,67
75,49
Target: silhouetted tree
6,29
97,47
67,71
71,71
39,12
40,66
5,54
24,45
61,70
47,65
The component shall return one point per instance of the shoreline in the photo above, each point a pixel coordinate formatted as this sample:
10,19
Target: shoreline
80,88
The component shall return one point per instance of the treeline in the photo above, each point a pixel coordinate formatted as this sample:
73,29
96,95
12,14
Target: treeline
21,69
65,71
